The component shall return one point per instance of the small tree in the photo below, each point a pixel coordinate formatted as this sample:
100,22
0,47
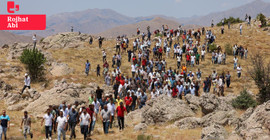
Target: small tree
261,17
244,101
228,49
34,60
260,73
212,47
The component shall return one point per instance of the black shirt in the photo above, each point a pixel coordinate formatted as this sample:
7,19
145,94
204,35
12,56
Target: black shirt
99,93
134,99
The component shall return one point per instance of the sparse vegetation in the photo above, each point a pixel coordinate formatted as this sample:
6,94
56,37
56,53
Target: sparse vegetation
261,17
212,47
232,20
228,49
260,73
144,137
244,101
34,60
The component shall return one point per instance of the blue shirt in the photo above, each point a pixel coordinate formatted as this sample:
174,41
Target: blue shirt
4,120
87,65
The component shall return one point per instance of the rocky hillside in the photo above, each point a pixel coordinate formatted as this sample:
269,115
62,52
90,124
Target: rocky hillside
205,117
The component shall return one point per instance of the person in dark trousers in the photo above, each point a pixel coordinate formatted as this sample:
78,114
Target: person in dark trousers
34,38
99,94
91,40
27,82
85,120
106,119
48,117
100,39
73,118
134,101
98,70
120,116
4,125
228,79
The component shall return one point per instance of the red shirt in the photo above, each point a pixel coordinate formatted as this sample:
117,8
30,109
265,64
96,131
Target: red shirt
90,112
144,62
174,92
122,82
128,101
118,78
160,50
188,57
120,111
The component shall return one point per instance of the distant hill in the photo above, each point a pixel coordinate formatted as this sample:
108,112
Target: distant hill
130,29
89,21
8,38
252,9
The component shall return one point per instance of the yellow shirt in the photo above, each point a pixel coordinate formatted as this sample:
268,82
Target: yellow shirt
119,101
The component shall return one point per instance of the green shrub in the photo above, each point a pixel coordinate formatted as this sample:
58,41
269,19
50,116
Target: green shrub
144,137
212,47
232,20
244,101
228,49
262,18
260,73
34,60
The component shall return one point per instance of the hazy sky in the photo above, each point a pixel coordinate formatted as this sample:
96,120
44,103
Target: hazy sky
134,8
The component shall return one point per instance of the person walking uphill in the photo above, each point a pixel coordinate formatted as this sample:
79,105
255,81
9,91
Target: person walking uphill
4,125
26,125
27,82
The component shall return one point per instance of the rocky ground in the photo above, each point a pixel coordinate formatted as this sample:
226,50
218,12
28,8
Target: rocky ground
205,117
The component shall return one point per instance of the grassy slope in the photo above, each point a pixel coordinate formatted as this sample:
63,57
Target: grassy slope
253,38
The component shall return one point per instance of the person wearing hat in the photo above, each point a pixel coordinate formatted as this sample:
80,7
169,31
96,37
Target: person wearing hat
27,81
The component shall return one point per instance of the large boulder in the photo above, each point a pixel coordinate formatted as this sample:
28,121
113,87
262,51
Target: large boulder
214,132
13,99
220,117
60,69
62,91
209,103
17,107
65,40
140,127
166,109
188,123
255,124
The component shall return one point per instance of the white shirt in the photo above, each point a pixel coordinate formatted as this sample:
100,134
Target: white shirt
61,122
192,91
111,107
34,38
193,58
178,58
203,52
27,81
48,119
97,105
133,69
235,60
85,118
239,69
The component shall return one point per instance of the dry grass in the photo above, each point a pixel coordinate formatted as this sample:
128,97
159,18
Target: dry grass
254,39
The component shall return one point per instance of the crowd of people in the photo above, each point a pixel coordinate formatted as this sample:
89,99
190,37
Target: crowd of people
150,77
